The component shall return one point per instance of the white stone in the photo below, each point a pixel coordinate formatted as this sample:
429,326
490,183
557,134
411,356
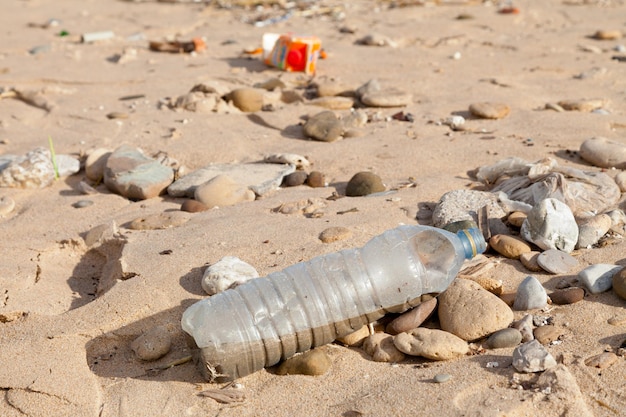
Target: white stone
530,295
532,357
551,225
33,170
226,273
599,277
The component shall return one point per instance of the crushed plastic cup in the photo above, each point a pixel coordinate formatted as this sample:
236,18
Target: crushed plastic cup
290,52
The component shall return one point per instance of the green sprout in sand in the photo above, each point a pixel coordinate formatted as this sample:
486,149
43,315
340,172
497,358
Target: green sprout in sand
54,159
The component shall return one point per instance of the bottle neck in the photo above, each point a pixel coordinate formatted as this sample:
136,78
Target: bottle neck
473,242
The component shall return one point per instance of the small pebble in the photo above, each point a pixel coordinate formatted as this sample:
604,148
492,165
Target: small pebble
95,163
117,115
504,338
324,127
314,362
386,98
525,327
551,225
355,338
590,232
316,179
227,273
413,318
619,283
333,103
6,205
160,221
556,261
380,346
247,99
82,203
547,334
333,234
295,178
581,105
222,191
529,260
604,153
153,344
193,206
488,110
510,246
530,295
598,278
607,35
432,344
441,378
603,360
516,218
364,183
532,357
567,295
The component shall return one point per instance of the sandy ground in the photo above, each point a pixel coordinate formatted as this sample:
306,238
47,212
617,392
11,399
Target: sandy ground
65,351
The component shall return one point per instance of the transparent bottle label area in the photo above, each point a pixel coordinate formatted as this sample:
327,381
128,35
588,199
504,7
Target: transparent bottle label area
269,319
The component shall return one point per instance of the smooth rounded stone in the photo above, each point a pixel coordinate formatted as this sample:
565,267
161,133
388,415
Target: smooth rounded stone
459,205
509,246
432,344
516,218
530,295
604,153
295,178
314,362
442,378
603,360
222,191
333,88
333,234
364,183
160,221
33,170
381,347
386,98
412,318
489,110
356,119
153,344
532,357
530,261
551,225
547,334
316,179
582,105
567,295
67,165
355,338
247,99
226,273
619,283
607,35
618,221
525,327
471,312
492,285
193,206
333,102
556,261
598,278
504,338
620,180
590,232
131,174
83,203
7,204
324,126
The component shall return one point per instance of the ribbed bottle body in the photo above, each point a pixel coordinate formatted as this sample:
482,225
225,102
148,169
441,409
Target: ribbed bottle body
309,304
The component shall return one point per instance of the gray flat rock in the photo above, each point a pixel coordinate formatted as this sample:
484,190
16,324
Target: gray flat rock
259,177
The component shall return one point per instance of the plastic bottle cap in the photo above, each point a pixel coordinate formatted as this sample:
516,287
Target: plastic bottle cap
296,59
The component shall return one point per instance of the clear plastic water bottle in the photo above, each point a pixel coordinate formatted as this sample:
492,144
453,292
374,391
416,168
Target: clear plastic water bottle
312,303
